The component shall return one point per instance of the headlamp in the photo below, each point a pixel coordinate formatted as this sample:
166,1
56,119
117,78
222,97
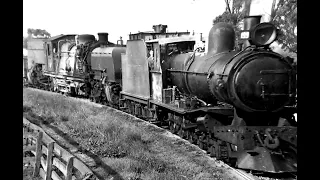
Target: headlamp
262,34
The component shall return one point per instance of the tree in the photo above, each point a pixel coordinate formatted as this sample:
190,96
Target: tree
284,16
235,12
38,33
35,33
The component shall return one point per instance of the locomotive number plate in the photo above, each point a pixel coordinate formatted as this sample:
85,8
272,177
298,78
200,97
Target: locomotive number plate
244,35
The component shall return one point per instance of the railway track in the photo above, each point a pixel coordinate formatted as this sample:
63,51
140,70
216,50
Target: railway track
241,174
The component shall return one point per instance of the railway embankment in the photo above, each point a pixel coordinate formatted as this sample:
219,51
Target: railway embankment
116,145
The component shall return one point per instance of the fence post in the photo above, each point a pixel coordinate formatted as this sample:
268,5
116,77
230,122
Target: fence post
49,161
69,168
38,154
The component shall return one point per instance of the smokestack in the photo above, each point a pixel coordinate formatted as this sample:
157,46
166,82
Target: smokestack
248,23
159,28
103,37
120,42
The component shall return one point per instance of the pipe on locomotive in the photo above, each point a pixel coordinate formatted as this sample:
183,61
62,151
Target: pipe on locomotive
248,23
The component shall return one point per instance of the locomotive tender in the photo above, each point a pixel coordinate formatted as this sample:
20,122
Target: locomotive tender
236,105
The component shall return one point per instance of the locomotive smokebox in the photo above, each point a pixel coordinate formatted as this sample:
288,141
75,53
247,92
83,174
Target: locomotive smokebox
248,23
103,38
221,38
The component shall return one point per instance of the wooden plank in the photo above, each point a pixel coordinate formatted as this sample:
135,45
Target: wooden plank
33,152
55,176
42,174
43,163
81,167
29,148
24,130
62,167
38,155
27,142
69,168
31,136
59,151
31,133
65,155
44,150
46,139
49,161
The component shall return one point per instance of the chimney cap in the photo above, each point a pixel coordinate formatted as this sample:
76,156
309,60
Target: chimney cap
103,33
256,16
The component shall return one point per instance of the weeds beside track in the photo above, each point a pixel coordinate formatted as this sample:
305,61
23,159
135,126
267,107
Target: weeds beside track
126,146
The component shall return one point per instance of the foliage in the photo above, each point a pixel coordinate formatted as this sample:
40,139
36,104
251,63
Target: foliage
38,33
284,16
232,19
35,33
235,12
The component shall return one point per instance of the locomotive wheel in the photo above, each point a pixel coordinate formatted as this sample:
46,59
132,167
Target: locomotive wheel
129,109
200,144
181,132
212,151
72,92
50,88
171,127
190,136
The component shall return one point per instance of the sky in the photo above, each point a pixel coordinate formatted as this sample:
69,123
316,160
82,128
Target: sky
119,17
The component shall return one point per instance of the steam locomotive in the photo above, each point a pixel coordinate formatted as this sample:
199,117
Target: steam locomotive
238,105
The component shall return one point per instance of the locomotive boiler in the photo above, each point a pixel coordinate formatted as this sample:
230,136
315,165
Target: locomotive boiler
253,80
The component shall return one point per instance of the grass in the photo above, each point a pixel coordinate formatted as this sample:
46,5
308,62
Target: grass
133,150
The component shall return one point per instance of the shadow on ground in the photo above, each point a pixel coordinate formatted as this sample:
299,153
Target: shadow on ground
40,121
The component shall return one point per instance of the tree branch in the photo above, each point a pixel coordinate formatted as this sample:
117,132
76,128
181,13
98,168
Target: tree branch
228,6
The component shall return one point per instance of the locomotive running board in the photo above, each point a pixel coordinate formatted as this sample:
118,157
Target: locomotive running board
215,110
261,159
67,77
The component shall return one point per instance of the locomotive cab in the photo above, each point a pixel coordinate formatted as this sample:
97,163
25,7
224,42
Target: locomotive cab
162,50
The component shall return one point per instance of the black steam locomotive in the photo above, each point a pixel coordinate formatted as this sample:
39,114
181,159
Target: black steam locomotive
237,105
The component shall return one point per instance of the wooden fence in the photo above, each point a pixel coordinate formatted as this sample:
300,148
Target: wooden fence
51,160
